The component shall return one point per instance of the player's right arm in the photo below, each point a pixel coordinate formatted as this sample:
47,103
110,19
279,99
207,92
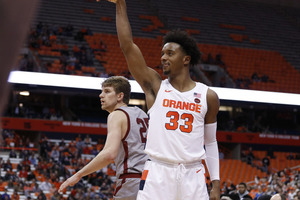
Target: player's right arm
116,129
148,78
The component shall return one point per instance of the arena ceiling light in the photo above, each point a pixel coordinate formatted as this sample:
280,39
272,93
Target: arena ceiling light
94,83
24,93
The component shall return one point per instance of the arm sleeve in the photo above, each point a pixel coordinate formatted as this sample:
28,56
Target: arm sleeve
212,152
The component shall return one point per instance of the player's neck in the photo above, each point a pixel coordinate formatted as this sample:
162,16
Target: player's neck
118,105
182,84
121,104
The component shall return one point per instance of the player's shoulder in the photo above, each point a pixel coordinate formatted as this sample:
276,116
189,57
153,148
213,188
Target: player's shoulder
118,114
138,110
211,93
212,99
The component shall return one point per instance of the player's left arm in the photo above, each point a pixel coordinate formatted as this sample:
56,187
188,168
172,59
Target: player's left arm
210,142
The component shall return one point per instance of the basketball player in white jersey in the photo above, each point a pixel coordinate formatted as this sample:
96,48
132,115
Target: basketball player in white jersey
125,143
182,118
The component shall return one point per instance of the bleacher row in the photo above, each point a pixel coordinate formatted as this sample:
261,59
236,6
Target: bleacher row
4,155
238,171
240,62
242,41
231,169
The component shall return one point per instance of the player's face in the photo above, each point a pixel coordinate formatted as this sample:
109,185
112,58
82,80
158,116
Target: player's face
172,58
108,99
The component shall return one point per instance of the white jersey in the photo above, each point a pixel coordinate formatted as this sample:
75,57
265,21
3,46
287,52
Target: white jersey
176,121
131,157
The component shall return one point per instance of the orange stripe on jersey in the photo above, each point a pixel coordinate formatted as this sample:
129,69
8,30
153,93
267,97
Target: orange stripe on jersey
145,174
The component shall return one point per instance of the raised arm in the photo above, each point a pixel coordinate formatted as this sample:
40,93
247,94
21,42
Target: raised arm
148,78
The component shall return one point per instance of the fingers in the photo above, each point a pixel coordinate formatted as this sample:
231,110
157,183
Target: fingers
62,187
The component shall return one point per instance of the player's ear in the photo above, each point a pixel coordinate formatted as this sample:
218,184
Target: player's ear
186,60
120,96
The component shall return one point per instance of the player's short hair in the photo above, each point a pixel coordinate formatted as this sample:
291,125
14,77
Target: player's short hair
120,84
187,43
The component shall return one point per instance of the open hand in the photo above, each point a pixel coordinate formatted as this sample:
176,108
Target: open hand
69,182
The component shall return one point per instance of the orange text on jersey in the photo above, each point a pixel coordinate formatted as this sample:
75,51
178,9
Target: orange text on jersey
182,105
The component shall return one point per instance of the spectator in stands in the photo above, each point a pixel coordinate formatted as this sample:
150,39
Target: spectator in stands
250,156
242,190
80,145
87,140
79,193
3,185
30,175
12,153
246,82
94,150
15,195
55,154
26,162
23,173
239,82
86,149
259,193
72,60
7,165
114,99
270,153
10,176
56,196
255,77
45,185
210,59
28,188
266,164
253,190
89,194
219,60
5,196
224,188
10,140
41,195
290,156
32,158
265,78
44,147
291,193
270,190
103,74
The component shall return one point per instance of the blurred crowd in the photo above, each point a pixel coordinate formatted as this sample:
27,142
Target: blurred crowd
44,165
